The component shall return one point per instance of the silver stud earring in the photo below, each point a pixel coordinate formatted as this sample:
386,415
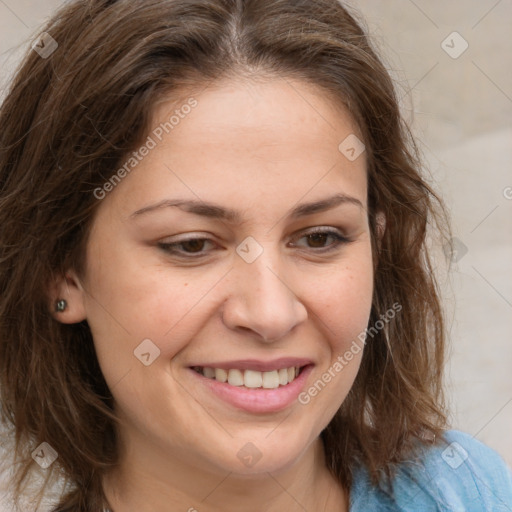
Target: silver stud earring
61,305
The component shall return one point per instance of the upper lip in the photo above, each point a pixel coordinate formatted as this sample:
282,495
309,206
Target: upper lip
257,365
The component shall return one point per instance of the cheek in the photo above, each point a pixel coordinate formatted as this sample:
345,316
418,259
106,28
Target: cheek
343,308
130,303
344,301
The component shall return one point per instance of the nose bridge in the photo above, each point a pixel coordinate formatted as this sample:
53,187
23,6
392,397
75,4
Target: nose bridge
261,299
265,286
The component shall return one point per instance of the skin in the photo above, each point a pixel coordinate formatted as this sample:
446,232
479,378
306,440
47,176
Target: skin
260,148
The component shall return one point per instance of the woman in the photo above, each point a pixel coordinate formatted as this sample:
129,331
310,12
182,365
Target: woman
216,289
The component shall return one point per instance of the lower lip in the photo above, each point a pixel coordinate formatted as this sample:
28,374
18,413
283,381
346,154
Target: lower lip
259,400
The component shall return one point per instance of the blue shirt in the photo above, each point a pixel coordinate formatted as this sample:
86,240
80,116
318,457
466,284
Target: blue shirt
461,475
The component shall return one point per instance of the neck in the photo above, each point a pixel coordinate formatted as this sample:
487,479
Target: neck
146,481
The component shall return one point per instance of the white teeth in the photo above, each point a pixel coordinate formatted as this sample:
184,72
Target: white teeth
209,372
252,379
271,380
283,376
220,375
235,378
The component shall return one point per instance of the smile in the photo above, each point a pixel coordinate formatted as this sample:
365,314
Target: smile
251,379
254,387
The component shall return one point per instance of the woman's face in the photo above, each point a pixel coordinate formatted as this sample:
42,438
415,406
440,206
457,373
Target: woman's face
238,247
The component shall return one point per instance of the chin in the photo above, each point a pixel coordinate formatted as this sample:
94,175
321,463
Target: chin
265,453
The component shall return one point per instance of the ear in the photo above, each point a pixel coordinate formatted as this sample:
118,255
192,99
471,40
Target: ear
380,222
68,288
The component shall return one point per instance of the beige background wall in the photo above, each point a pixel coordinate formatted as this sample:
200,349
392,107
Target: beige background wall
461,110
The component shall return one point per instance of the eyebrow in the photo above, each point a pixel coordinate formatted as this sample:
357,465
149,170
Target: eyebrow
214,211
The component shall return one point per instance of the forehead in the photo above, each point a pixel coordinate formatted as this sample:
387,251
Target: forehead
244,140
273,110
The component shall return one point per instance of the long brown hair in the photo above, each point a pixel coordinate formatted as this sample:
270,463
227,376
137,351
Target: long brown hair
67,124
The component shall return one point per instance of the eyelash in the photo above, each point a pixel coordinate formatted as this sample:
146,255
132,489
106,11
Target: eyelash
170,248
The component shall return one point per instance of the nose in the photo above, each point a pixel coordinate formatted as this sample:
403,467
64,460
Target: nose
262,302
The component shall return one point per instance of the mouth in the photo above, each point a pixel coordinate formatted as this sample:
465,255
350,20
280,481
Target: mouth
251,379
252,386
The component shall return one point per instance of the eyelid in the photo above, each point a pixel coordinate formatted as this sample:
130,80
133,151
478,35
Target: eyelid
186,237
320,229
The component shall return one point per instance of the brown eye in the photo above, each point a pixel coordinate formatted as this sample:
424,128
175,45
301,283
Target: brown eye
317,240
194,245
322,240
191,247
